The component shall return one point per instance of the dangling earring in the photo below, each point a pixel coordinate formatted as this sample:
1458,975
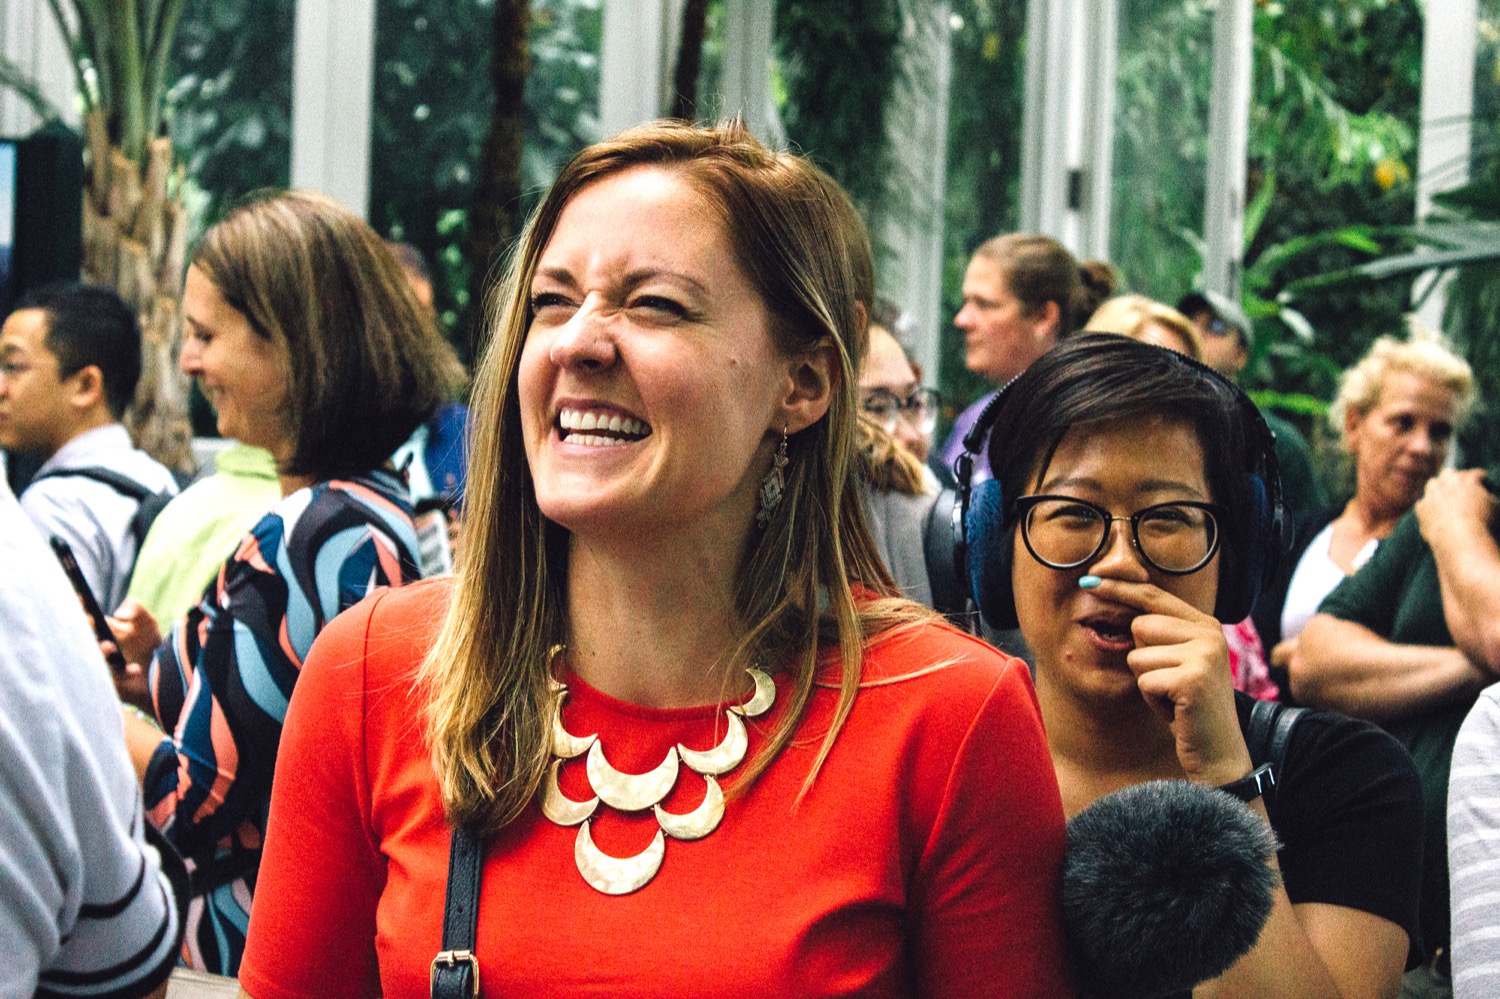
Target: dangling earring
773,485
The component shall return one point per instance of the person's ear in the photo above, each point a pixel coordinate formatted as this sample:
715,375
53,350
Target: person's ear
1352,420
87,387
812,379
1241,353
1047,317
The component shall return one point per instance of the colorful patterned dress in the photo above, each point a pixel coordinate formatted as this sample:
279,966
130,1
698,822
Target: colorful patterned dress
221,682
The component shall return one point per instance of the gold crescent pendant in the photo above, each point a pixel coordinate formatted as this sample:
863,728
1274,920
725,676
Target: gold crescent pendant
765,695
723,757
700,821
566,745
617,875
559,807
630,792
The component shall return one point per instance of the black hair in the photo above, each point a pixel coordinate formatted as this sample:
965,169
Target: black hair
1092,379
91,325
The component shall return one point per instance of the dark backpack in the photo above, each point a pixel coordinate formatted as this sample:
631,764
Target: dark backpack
149,503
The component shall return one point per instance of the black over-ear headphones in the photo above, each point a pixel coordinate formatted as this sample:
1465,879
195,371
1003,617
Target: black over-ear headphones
984,520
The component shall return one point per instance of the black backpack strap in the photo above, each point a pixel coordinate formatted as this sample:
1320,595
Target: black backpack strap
120,483
149,502
455,971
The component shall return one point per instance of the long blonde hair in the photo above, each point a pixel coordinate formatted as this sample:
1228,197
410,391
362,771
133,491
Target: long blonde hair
488,717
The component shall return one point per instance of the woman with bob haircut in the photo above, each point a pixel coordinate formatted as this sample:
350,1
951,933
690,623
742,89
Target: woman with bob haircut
705,746
1134,506
1396,412
309,343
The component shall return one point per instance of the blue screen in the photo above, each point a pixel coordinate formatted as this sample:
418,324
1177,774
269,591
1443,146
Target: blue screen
7,220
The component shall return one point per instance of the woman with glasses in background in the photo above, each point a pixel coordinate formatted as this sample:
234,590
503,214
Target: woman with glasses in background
894,435
1133,509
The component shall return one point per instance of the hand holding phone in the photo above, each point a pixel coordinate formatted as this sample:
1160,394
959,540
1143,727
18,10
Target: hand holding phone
107,642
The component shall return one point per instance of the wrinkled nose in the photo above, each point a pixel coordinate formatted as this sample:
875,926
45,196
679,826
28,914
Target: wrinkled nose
584,343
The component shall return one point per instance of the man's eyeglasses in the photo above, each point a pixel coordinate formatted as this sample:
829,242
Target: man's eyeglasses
920,409
1063,532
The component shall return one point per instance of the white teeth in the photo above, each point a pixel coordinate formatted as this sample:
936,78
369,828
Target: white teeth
571,420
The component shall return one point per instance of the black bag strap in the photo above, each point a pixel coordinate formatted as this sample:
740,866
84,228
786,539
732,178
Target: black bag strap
119,482
1269,732
455,971
149,503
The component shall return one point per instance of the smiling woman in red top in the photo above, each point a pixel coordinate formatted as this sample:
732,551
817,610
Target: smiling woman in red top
708,749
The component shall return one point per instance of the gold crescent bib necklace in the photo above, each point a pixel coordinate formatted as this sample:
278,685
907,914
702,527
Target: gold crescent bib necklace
638,792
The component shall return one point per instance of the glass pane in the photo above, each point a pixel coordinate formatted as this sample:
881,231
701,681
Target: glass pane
431,112
986,102
230,109
1165,72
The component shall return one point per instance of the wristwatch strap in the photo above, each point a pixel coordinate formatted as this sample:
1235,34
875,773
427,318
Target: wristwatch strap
1253,784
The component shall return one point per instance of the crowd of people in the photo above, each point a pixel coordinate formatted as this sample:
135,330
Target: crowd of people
672,663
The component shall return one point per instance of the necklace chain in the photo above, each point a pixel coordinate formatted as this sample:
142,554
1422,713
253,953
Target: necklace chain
638,792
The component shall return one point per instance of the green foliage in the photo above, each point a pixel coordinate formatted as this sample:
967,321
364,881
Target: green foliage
121,49
984,162
1164,74
229,109
839,65
11,78
432,109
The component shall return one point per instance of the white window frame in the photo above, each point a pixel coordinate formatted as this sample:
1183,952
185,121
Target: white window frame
333,86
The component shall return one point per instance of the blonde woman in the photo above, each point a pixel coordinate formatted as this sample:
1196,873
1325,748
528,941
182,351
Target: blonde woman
1396,412
707,749
1148,321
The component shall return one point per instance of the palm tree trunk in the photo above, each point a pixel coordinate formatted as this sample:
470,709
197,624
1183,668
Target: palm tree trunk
135,240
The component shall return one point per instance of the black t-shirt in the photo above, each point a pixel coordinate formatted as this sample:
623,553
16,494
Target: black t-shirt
1347,808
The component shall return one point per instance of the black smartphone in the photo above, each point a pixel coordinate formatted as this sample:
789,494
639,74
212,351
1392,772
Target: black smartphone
64,553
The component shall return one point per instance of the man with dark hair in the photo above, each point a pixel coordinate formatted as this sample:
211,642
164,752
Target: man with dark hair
70,358
1228,337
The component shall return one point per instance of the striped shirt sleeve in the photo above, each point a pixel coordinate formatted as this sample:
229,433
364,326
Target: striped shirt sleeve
1474,850
84,907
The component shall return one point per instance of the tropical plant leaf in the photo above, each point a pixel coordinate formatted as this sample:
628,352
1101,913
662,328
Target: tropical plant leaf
12,78
1402,265
1289,402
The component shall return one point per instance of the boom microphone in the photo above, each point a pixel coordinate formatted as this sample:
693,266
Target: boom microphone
1165,885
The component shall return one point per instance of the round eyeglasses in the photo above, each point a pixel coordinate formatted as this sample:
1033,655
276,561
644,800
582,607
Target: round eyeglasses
886,408
1063,532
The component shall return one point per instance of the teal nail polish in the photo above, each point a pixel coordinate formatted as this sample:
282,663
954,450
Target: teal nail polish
1088,582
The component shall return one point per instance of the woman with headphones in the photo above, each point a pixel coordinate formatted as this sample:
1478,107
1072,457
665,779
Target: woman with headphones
1135,507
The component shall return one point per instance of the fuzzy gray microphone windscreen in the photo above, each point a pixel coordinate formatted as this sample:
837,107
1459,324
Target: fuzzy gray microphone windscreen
1165,885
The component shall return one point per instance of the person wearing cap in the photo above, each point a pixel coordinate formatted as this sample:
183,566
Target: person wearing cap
1228,339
